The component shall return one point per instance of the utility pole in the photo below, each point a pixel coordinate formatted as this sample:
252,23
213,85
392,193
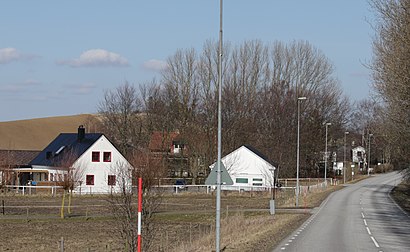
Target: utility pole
297,151
344,160
326,125
368,162
218,163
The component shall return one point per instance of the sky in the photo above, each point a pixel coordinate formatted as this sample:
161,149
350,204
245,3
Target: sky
59,57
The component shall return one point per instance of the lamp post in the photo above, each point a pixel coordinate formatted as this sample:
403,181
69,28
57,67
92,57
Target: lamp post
297,152
326,125
272,201
344,160
218,175
368,164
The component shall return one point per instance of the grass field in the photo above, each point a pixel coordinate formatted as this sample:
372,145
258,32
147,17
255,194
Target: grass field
185,222
35,134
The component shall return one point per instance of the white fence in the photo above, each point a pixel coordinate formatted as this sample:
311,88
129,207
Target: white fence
29,190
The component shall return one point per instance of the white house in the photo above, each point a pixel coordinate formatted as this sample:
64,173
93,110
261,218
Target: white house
98,167
248,168
358,154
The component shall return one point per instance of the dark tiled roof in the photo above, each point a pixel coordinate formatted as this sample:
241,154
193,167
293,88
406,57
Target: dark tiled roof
15,158
69,144
260,154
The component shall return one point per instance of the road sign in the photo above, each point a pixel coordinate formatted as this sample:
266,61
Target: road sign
225,178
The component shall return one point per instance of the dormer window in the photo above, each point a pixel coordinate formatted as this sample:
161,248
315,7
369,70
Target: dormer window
177,147
60,150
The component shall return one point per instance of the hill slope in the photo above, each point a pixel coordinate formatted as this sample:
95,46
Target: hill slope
35,134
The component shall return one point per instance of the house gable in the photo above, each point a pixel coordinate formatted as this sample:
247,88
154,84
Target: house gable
103,170
248,168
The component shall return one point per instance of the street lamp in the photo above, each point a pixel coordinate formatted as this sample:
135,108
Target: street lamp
326,125
344,160
297,152
368,164
272,201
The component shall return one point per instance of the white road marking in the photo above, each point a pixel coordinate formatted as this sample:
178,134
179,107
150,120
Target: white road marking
368,231
282,248
362,215
365,222
375,242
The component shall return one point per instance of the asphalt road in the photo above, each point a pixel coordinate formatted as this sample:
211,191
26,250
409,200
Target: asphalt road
360,217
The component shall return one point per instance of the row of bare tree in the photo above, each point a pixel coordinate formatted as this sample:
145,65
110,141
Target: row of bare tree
261,84
390,67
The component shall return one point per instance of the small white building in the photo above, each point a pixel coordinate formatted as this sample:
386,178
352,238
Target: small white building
95,164
248,168
358,154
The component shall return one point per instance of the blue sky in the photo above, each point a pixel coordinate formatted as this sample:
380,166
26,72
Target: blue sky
58,57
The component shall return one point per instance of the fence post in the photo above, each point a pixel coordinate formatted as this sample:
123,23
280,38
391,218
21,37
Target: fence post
62,244
3,207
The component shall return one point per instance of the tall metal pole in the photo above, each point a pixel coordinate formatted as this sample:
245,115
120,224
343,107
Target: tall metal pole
218,174
139,247
368,163
327,124
297,152
344,160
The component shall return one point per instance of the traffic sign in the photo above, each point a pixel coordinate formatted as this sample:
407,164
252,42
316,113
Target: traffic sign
225,178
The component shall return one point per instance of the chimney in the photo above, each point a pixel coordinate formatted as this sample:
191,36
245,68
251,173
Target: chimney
81,133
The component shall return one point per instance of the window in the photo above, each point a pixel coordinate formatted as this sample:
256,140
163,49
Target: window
95,156
89,180
257,179
257,184
111,180
242,180
107,157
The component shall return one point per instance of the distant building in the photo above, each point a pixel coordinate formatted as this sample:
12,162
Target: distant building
12,159
248,168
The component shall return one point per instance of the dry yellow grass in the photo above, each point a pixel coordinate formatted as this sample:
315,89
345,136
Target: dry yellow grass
35,134
247,233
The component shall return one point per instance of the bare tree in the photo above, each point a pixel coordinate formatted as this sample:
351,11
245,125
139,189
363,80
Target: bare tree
7,163
121,118
123,203
390,67
71,172
261,84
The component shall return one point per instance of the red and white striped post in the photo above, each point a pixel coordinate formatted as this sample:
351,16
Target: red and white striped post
139,213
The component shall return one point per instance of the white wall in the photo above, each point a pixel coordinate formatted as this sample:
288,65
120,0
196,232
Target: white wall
118,166
245,164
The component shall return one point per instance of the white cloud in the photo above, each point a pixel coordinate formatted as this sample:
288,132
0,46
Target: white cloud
9,54
95,58
20,87
82,89
155,65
